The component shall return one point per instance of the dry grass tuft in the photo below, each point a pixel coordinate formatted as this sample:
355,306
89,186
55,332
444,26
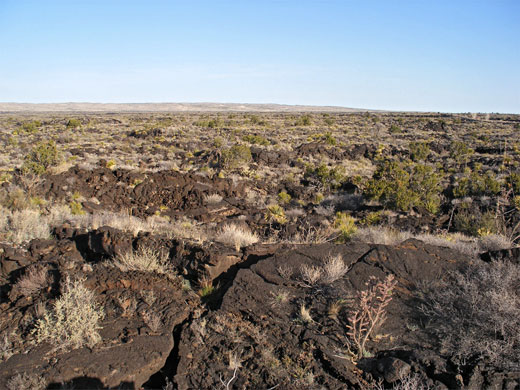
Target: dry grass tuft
334,269
34,280
23,225
143,259
381,235
212,199
305,314
237,236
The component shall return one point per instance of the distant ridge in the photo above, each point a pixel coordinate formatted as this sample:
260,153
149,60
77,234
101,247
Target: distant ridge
166,107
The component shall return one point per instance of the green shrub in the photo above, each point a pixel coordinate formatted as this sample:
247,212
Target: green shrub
473,222
474,183
211,123
402,186
330,121
255,120
43,156
275,213
73,123
330,139
305,120
394,129
346,225
460,152
76,208
372,218
218,142
236,157
419,151
284,197
513,181
256,140
330,178
31,127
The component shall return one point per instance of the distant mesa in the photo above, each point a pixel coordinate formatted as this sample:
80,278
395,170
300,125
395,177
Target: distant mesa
167,107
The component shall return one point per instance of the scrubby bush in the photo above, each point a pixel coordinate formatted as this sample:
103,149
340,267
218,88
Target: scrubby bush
256,140
23,225
460,152
324,176
275,213
513,181
327,138
73,123
475,313
211,123
14,199
31,127
255,120
394,129
43,156
76,208
304,120
419,151
346,225
236,157
74,319
402,186
329,121
474,183
475,223
284,197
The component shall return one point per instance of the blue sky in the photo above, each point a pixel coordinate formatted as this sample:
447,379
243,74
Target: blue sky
451,56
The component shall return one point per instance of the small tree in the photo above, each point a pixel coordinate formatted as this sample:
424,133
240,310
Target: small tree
44,155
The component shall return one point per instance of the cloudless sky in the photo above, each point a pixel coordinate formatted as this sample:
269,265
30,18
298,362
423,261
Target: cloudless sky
425,55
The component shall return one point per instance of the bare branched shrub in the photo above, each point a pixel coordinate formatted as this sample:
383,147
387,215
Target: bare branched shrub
234,364
237,236
411,382
26,382
285,272
370,312
143,259
334,269
74,319
476,313
34,280
311,274
408,382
